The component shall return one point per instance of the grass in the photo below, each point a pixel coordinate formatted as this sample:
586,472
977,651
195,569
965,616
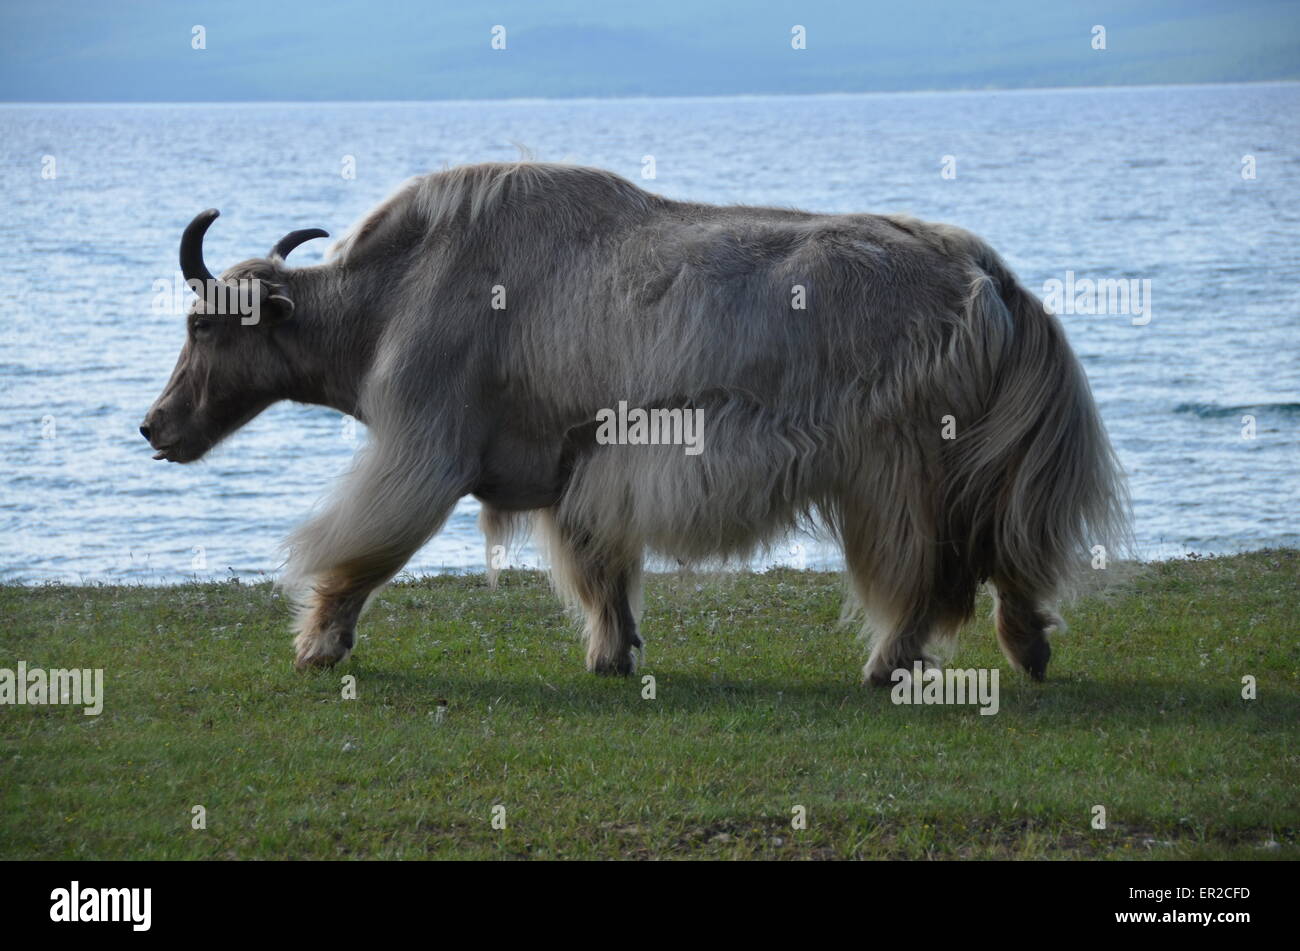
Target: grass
758,710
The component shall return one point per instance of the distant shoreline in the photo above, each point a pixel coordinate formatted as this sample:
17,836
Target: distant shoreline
516,100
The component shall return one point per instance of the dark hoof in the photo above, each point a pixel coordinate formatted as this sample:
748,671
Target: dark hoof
884,678
1035,660
880,680
614,667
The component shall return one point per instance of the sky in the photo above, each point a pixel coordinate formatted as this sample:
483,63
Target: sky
303,50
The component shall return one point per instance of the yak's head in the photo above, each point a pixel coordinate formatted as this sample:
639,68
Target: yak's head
233,364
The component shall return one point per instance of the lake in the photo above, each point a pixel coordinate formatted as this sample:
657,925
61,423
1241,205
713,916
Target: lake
1189,191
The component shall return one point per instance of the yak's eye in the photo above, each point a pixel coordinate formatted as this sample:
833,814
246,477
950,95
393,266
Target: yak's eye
202,324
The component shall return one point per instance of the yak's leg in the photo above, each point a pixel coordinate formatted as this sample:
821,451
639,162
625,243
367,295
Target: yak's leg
500,529
899,644
494,524
327,620
914,623
613,644
381,515
1023,623
909,598
605,585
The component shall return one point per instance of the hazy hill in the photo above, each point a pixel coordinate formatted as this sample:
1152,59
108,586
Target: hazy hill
417,49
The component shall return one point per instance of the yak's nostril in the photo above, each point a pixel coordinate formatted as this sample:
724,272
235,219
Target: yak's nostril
144,431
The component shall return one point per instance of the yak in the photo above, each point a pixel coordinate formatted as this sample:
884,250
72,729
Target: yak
885,379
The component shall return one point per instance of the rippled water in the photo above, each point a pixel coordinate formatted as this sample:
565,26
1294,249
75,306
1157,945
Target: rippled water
1118,183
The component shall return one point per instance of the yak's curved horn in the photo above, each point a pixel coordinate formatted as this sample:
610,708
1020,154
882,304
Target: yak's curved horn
293,239
192,265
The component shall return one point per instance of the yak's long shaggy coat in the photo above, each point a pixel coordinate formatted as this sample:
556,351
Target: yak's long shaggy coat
837,410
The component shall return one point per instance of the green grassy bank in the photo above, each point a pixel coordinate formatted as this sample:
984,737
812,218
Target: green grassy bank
757,710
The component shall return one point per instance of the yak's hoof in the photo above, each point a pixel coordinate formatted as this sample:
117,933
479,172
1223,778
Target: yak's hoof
623,666
1035,660
877,679
883,675
312,653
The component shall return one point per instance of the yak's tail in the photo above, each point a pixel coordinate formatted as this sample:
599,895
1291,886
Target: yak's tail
1032,487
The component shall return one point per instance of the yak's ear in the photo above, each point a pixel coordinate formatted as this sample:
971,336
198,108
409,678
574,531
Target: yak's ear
276,308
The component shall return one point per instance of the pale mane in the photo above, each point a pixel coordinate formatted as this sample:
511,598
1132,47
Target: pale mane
465,195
